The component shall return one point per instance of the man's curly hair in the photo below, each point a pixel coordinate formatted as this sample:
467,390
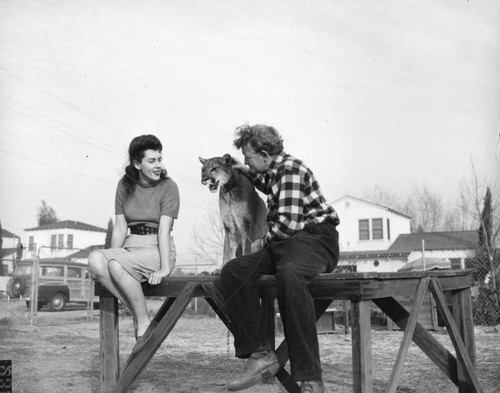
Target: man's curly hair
260,137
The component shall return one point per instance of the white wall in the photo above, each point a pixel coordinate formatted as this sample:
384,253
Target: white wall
351,210
42,238
10,242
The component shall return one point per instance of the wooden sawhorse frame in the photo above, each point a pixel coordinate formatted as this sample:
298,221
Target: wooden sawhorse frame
359,288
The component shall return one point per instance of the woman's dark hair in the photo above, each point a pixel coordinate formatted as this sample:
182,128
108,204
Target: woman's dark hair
136,151
260,137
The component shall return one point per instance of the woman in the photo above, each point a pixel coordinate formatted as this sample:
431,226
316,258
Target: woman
146,204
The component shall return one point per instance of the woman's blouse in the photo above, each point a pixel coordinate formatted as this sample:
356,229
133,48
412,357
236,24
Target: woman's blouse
148,202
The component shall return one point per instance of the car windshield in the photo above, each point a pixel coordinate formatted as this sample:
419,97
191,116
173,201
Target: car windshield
22,270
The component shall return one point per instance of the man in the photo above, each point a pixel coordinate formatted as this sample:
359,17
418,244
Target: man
302,242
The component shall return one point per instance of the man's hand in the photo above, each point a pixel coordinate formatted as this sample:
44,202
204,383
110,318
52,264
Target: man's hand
239,166
156,277
257,245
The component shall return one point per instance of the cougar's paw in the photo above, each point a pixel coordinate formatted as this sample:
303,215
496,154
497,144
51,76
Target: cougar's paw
216,272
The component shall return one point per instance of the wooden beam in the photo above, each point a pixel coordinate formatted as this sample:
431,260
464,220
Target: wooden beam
398,368
140,360
109,349
446,362
462,312
456,339
361,347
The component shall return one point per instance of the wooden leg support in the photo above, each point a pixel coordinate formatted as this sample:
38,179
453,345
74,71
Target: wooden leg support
361,347
140,360
424,340
109,352
462,312
471,383
407,337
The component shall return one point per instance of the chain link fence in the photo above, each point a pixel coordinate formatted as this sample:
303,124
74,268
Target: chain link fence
66,287
486,291
47,292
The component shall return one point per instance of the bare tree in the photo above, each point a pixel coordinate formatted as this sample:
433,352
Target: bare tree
426,210
486,217
109,234
208,239
384,197
1,248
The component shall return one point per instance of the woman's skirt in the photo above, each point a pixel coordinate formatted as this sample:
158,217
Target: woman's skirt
139,256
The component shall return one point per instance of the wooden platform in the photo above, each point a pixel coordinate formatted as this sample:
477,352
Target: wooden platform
360,289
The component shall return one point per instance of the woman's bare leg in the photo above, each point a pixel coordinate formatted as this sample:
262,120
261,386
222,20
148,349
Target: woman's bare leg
132,290
99,265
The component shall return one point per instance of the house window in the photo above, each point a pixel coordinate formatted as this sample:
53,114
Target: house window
60,242
31,243
364,230
70,241
377,229
53,240
388,229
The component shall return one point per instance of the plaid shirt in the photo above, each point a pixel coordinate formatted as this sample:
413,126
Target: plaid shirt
294,198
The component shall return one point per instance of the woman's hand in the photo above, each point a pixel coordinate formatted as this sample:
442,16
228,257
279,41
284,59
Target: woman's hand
156,277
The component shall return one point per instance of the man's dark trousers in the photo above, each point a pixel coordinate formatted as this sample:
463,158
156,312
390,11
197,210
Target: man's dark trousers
294,261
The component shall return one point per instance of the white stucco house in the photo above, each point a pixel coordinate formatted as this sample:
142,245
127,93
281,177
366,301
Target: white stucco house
367,226
375,238
366,232
62,238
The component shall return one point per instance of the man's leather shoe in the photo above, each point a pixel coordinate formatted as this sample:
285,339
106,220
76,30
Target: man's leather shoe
314,386
258,366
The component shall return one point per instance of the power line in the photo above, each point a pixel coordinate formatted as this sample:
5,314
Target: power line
55,120
77,173
79,110
58,129
66,102
53,166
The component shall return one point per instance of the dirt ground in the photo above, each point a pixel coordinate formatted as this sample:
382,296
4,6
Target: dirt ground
61,355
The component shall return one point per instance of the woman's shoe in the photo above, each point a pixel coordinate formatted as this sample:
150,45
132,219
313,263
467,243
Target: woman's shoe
141,342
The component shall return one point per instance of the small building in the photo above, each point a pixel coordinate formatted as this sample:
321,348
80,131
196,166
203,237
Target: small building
457,246
11,251
366,232
367,226
62,238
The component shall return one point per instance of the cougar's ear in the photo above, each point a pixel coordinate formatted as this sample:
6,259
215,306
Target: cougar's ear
228,160
202,160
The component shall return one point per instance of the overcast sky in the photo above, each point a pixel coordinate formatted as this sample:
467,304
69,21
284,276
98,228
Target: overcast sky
398,94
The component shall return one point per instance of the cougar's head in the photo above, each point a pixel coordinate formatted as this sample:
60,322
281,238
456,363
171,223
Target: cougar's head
216,171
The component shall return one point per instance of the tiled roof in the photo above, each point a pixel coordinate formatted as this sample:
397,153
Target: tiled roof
6,233
68,224
7,251
458,240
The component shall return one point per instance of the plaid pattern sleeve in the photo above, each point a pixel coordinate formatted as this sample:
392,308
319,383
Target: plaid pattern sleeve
294,199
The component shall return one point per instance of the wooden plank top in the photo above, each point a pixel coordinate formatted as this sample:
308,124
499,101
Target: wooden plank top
348,286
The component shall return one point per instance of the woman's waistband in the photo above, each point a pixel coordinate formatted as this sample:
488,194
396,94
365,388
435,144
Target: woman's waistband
141,229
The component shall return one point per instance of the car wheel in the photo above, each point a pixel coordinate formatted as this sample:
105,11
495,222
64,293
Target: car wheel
18,287
57,302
